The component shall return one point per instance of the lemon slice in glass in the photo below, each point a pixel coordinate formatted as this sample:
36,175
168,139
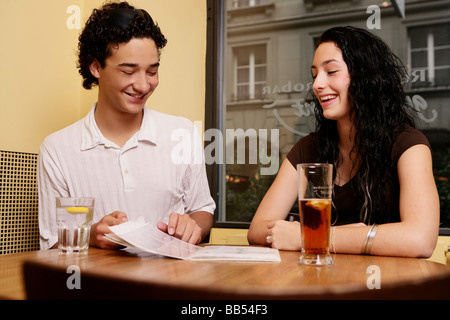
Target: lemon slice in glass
318,204
77,209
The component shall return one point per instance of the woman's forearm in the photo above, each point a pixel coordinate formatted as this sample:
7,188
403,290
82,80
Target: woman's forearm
391,239
257,233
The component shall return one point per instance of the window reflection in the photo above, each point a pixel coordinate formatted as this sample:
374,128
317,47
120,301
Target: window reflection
268,47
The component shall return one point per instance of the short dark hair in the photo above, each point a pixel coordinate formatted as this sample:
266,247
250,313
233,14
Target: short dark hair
107,27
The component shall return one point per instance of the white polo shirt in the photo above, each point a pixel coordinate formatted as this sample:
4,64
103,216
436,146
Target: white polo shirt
160,170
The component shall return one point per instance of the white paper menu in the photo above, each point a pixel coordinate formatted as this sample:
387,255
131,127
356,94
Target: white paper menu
146,237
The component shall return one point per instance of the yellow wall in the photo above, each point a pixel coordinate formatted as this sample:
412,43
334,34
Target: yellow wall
40,87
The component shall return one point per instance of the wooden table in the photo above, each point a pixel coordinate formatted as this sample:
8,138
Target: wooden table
106,274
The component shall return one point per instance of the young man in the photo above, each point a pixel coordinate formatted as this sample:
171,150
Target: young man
122,153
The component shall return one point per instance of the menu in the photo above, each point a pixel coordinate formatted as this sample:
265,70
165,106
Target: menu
143,236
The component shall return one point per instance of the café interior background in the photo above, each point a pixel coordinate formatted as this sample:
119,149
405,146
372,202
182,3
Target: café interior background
41,89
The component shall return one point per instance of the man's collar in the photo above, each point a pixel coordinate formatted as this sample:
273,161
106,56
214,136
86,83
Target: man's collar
91,135
147,132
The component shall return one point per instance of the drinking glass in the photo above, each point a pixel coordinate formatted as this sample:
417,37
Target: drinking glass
74,219
315,187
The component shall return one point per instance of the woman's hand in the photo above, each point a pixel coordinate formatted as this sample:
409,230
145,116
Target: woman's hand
284,235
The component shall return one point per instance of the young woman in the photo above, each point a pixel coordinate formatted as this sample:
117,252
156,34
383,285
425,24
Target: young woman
384,186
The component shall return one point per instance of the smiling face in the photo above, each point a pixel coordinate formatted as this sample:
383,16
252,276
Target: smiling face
129,77
331,81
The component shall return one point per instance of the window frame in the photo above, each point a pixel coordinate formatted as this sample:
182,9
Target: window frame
214,105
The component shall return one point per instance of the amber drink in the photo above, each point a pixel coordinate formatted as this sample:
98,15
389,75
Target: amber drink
315,190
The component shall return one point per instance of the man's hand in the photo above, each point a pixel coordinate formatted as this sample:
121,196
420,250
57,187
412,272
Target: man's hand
182,227
99,229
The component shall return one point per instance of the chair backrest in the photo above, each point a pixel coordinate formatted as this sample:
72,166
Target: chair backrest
19,229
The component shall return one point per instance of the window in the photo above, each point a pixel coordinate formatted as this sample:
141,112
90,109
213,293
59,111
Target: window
259,83
323,2
430,55
249,72
247,3
428,89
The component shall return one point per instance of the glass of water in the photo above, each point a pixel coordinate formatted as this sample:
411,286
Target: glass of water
74,219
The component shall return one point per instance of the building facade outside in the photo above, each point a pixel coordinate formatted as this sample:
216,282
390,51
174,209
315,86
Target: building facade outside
268,50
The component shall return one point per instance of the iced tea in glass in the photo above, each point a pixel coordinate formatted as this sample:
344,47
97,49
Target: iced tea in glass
315,188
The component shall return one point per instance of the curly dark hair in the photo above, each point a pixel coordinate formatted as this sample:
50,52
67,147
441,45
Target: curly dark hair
379,113
106,28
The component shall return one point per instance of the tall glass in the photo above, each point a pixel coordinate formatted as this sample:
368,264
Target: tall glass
315,187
